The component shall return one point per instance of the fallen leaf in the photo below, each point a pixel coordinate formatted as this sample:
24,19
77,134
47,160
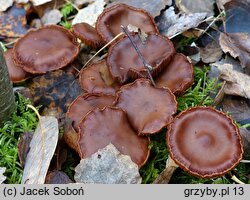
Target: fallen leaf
238,46
107,166
237,16
22,1
90,13
221,3
5,4
154,10
211,53
39,2
82,2
237,83
57,177
55,90
171,24
196,6
2,177
24,147
13,22
42,148
52,17
245,135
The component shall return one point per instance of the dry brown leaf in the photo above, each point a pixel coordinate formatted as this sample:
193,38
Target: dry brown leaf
211,53
2,177
52,17
245,135
171,24
57,177
42,148
107,166
154,10
238,46
196,6
237,83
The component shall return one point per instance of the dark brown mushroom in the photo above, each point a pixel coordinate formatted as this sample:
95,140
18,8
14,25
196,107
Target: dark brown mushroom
178,76
110,125
96,78
204,142
109,23
87,34
125,64
86,103
45,49
149,109
17,74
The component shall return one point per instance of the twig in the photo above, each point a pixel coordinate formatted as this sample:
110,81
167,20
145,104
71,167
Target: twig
235,179
145,63
73,5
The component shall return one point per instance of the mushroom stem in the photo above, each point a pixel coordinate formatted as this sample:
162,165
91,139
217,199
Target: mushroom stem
167,173
234,178
146,65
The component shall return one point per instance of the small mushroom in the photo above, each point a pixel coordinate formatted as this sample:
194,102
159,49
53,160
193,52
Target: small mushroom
125,64
87,34
110,125
178,76
96,78
204,142
45,49
109,23
86,103
149,109
17,74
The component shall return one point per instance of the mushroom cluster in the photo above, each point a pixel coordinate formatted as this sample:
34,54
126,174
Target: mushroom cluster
121,105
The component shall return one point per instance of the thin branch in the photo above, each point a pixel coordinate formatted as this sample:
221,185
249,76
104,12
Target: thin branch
145,63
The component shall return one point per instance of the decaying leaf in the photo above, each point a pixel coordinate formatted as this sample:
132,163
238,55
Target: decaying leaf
154,10
237,83
237,16
24,147
55,90
5,4
238,45
52,17
90,13
2,177
211,53
245,135
39,2
22,1
196,6
13,22
221,3
57,177
107,166
82,2
42,148
171,24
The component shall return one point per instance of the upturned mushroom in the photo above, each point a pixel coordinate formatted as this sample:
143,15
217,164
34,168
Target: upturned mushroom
149,109
125,64
109,22
204,142
45,49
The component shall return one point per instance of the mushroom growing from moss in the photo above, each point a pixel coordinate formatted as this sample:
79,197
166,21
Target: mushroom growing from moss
204,142
45,49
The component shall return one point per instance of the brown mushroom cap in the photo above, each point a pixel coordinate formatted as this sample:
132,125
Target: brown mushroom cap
149,109
204,142
86,103
125,64
17,74
178,76
45,49
110,125
96,78
109,23
87,34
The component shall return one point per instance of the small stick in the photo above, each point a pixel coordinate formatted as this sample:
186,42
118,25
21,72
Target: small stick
146,65
235,179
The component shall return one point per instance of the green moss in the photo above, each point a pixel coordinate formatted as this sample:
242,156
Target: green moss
23,120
